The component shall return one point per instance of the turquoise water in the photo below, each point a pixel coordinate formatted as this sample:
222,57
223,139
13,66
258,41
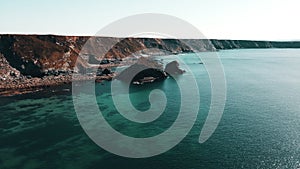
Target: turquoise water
260,127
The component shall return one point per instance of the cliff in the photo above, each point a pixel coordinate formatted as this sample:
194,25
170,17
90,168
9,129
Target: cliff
246,44
40,55
45,55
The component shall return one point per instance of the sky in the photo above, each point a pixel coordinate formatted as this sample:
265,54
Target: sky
216,19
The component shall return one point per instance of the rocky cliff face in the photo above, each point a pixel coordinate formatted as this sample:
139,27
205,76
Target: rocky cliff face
245,44
42,55
7,71
38,55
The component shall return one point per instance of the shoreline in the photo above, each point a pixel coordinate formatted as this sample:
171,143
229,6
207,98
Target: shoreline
23,85
18,87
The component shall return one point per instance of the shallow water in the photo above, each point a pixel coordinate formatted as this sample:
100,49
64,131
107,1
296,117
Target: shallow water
260,127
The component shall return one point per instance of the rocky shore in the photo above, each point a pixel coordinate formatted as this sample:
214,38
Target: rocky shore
145,70
28,85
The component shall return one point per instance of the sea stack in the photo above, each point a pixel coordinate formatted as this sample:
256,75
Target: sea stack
172,68
145,70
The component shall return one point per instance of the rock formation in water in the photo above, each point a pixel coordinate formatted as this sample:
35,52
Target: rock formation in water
144,70
172,68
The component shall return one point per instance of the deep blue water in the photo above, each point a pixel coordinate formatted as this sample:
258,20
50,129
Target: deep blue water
260,127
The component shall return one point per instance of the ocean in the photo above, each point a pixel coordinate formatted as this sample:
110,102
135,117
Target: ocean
259,128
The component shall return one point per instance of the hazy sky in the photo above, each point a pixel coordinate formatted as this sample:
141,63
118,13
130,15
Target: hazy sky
222,19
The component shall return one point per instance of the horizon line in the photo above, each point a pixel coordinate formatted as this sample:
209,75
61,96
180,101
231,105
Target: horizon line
103,36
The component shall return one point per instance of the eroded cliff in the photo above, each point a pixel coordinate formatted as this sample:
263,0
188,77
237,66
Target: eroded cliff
46,55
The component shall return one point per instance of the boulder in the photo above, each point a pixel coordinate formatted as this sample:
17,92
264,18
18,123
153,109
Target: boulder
106,71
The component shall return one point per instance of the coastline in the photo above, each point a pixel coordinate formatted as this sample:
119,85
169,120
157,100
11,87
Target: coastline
14,87
30,63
